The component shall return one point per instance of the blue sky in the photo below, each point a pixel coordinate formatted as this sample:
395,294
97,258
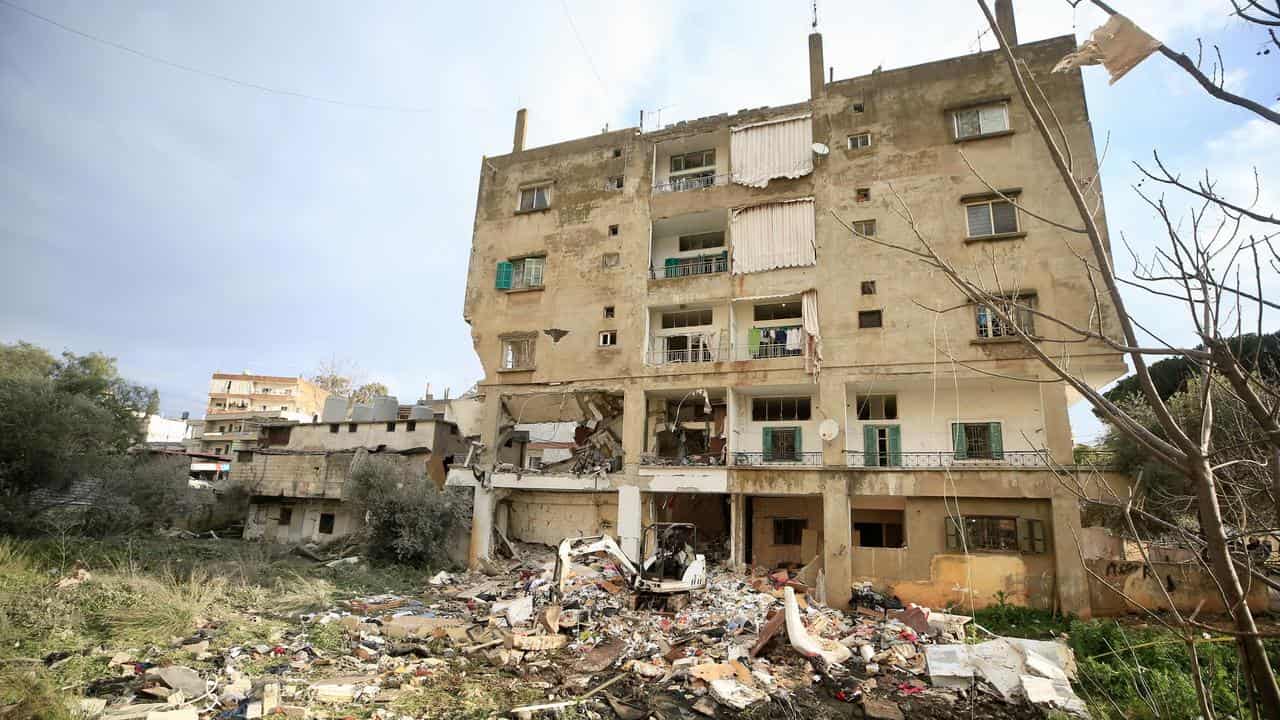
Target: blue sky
185,224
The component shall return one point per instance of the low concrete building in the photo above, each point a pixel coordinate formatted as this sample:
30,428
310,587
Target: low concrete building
297,474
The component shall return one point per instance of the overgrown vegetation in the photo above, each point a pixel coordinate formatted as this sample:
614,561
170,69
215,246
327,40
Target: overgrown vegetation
409,521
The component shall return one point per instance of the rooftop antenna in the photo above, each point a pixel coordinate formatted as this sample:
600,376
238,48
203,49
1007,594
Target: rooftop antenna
658,115
815,14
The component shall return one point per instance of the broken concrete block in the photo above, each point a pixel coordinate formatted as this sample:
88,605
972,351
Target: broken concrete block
270,697
539,642
333,692
705,706
712,671
880,709
181,678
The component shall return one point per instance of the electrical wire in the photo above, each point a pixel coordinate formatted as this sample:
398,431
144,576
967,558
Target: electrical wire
217,76
590,63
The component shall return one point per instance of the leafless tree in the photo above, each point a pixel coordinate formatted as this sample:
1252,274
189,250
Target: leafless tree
1214,265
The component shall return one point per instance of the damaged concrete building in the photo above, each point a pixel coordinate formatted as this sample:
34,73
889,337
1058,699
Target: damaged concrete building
297,474
733,356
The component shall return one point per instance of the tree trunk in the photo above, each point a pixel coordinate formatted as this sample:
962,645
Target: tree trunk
1224,571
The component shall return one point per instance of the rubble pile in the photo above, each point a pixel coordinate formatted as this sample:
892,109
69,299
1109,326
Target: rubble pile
759,644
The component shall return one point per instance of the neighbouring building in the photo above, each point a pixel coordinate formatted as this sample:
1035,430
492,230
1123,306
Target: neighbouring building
296,474
239,405
729,354
160,430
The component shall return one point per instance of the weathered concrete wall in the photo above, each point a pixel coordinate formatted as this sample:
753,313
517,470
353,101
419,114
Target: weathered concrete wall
767,509
442,438
549,517
318,475
264,521
1185,582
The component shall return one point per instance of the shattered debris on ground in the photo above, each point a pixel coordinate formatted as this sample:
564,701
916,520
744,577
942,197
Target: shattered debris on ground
758,643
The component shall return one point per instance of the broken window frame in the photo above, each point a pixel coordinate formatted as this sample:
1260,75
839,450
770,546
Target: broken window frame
705,159
517,352
876,407
980,120
997,533
885,533
782,408
1019,306
789,529
328,520
694,317
701,241
870,319
285,517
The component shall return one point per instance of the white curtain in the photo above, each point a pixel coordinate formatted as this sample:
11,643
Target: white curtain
773,149
813,340
776,235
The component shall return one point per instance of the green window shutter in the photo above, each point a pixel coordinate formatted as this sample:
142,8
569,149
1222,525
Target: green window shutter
505,271
799,452
1037,536
997,442
768,443
895,445
672,265
870,456
953,534
957,440
1024,535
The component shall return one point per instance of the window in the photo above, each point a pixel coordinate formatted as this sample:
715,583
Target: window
608,311
702,241
614,183
776,311
391,426
870,319
351,427
857,107
326,524
285,517
782,444
517,353
788,531
1019,308
868,287
610,260
982,120
766,409
862,195
688,348
877,407
411,426
617,152
244,456
535,198
333,427
520,274
284,408
609,338
1001,534
693,161
882,445
977,441
613,231
686,318
861,140
865,227
878,528
996,217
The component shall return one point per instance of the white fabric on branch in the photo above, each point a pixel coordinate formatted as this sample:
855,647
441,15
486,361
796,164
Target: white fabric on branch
813,339
775,235
774,149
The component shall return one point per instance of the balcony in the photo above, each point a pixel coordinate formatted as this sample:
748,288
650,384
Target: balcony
695,181
687,267
937,459
680,349
704,460
777,459
773,343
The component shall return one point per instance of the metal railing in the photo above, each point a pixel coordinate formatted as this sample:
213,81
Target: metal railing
697,460
770,350
777,458
948,459
659,354
693,182
706,265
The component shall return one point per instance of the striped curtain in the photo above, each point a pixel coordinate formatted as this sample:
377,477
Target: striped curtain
773,149
776,235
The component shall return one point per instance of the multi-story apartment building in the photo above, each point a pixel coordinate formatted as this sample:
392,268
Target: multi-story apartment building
239,403
795,390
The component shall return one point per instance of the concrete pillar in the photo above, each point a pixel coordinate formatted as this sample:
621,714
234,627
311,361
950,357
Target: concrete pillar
1057,423
831,401
837,539
629,521
738,531
517,141
817,88
634,417
481,525
1071,578
490,425
1004,21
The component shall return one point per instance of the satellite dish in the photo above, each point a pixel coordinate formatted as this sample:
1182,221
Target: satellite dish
829,429
821,149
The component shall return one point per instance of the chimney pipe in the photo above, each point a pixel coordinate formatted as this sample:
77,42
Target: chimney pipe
817,88
517,141
1004,20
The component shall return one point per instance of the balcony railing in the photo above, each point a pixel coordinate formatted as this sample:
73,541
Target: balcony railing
686,267
948,459
700,460
777,458
661,354
768,348
692,182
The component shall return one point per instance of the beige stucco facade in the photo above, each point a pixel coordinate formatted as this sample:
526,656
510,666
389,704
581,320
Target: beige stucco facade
788,458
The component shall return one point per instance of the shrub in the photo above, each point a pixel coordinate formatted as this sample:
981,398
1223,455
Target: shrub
409,520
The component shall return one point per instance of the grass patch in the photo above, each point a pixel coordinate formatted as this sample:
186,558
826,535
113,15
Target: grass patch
452,695
30,695
1010,620
166,608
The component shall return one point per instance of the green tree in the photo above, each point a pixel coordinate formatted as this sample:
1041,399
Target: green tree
369,391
